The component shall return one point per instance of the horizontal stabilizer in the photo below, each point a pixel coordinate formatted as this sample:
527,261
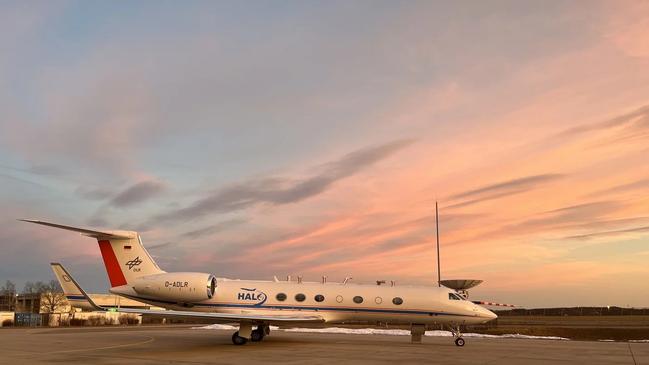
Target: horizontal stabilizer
87,232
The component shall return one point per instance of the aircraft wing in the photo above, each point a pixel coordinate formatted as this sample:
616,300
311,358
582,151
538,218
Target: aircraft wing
59,270
221,316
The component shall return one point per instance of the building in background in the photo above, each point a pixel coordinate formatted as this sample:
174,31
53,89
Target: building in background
53,309
7,302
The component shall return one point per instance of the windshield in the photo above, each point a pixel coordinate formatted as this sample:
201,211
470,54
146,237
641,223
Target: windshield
454,296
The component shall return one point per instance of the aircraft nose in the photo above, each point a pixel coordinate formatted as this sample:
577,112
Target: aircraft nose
489,314
486,313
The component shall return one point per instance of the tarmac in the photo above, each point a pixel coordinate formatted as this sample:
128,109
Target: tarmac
184,345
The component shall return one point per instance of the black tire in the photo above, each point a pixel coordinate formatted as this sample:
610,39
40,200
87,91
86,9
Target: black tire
266,330
459,341
238,340
257,335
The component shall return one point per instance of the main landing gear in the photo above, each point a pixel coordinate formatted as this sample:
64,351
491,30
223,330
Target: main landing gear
246,332
238,340
457,334
259,333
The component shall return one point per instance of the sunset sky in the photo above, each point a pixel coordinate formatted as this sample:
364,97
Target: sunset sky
261,138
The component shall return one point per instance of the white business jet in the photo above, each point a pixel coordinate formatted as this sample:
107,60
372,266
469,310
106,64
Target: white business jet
257,304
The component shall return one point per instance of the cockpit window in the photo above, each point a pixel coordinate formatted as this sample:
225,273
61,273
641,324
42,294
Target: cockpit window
453,296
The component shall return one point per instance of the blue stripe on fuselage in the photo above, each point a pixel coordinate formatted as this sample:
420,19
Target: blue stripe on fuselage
292,307
75,297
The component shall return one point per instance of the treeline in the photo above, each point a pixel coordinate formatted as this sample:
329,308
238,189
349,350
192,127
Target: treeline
30,287
575,311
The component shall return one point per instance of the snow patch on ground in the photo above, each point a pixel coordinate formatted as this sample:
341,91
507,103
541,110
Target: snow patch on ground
226,327
639,341
216,327
380,331
516,335
354,331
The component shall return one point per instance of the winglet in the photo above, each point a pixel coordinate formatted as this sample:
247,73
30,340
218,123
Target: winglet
71,288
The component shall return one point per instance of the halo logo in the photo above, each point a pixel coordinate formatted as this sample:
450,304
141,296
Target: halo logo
132,263
252,295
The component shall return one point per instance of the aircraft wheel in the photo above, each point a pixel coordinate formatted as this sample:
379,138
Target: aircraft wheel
459,341
266,330
238,340
257,335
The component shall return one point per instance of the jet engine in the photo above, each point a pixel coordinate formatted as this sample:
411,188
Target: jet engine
180,287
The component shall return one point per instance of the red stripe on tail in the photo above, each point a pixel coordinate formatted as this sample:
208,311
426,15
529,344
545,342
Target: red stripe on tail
115,274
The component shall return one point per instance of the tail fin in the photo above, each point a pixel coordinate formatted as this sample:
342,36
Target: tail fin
72,290
124,255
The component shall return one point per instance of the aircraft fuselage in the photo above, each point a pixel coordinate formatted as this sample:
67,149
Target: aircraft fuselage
335,302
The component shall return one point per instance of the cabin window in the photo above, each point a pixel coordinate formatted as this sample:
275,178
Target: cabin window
339,299
378,300
358,299
397,301
319,298
453,296
300,297
281,297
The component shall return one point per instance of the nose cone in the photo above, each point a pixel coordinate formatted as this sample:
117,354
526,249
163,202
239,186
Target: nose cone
484,314
488,314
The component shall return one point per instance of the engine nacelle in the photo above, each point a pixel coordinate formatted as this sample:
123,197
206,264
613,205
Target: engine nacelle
180,287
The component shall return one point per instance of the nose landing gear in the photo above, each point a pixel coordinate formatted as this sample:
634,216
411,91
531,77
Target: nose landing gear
457,334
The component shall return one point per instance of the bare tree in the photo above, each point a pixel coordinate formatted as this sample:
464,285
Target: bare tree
8,297
28,288
35,287
52,297
8,288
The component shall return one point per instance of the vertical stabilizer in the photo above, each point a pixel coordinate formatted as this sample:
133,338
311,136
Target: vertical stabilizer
126,259
73,292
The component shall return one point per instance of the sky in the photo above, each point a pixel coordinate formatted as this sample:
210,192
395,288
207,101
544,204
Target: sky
260,138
